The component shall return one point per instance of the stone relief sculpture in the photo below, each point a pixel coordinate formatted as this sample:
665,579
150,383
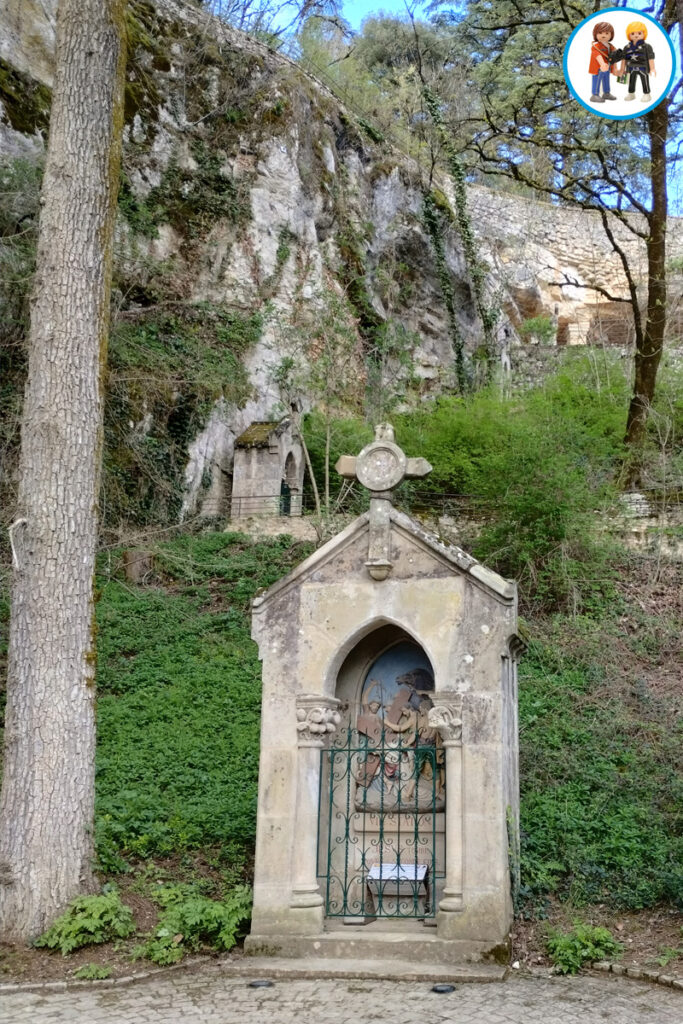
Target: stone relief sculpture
399,764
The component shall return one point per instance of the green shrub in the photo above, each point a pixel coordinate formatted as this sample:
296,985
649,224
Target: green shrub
584,944
189,923
92,972
540,327
89,921
534,471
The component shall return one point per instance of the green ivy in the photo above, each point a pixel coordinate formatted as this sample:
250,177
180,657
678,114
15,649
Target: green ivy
26,102
170,366
173,660
373,133
488,314
190,199
433,225
352,247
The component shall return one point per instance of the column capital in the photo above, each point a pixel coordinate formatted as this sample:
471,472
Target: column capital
446,716
317,718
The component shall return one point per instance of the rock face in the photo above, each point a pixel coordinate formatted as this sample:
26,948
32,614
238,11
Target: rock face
27,39
249,187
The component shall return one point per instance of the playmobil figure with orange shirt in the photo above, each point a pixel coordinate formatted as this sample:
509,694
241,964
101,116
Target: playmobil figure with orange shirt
601,58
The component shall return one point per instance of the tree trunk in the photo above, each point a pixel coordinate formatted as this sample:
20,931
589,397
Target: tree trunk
649,353
46,804
296,419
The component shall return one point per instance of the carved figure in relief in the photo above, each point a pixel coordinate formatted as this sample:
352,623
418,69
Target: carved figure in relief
429,737
403,751
369,724
387,790
401,719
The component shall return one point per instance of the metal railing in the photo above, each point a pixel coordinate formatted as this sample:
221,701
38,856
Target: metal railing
380,824
293,504
415,502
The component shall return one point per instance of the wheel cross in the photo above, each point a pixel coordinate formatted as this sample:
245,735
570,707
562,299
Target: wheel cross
380,467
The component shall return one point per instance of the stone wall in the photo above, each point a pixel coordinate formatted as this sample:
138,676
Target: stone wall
546,257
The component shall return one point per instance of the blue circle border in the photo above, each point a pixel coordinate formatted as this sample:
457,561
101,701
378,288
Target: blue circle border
599,113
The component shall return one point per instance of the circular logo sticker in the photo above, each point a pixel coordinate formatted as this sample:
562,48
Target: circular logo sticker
619,63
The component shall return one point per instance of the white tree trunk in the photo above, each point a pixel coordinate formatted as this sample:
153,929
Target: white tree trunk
46,804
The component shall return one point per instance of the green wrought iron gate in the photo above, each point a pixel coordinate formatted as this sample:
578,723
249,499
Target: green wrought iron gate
380,826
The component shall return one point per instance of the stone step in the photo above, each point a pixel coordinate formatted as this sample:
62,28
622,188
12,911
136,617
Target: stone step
418,946
388,969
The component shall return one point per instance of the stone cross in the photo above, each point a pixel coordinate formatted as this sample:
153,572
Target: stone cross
380,467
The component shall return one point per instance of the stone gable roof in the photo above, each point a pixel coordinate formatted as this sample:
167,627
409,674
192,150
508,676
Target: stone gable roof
457,559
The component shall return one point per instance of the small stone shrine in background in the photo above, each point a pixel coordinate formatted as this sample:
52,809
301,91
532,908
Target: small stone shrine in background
388,787
268,471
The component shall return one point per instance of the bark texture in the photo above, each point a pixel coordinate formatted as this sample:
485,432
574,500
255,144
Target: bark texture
46,804
649,348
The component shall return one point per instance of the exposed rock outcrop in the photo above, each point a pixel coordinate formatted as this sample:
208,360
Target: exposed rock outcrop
248,186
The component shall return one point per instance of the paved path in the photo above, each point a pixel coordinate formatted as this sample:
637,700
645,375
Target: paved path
209,997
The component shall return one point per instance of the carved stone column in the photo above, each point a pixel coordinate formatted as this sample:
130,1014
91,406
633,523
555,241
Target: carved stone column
316,719
446,716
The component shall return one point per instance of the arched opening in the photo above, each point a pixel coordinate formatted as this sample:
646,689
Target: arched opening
382,657
290,493
382,822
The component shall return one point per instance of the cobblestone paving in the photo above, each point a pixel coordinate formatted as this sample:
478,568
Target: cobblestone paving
209,998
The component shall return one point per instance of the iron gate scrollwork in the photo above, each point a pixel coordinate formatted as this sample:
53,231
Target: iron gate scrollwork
381,825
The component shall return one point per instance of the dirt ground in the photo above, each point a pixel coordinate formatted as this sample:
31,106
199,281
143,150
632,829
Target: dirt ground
650,938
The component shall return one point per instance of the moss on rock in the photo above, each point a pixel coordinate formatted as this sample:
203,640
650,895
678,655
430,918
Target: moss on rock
26,103
167,369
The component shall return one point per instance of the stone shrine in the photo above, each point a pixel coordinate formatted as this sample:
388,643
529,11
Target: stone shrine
268,471
388,786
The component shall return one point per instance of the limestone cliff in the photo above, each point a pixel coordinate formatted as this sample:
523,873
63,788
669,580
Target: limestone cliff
254,204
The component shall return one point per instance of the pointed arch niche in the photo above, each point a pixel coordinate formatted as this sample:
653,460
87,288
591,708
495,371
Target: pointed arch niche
347,833
383,656
381,840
